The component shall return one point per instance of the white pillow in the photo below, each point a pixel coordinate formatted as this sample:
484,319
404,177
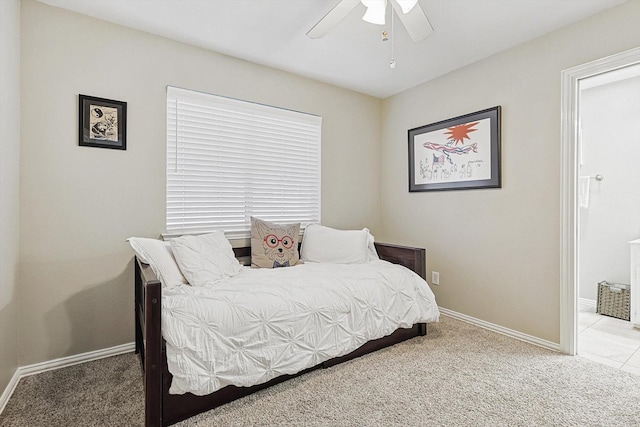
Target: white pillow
206,258
328,245
372,254
158,255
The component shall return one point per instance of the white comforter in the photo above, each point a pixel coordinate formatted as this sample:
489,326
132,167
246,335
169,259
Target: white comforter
263,323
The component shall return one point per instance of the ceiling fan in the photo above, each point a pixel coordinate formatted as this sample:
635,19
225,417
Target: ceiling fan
409,12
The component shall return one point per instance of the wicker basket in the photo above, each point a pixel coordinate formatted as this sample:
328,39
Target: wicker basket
614,299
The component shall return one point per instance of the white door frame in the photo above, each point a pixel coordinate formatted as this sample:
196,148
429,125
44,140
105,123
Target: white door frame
569,160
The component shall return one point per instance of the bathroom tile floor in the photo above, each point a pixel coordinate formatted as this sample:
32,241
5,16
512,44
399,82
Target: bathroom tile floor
608,340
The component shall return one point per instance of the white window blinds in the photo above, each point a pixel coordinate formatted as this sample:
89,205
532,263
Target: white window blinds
228,160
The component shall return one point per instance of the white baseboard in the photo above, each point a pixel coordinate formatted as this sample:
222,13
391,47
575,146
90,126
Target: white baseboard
501,330
8,391
63,362
25,371
588,303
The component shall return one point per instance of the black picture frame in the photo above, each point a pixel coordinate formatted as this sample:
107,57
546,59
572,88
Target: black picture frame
461,153
102,123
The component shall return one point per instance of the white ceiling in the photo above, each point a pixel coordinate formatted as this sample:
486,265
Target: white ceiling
352,55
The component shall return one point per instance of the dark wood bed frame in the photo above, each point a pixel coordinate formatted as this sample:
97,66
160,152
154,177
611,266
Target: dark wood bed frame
162,408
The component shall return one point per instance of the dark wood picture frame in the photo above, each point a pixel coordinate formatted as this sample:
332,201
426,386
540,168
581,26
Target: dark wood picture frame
456,154
102,122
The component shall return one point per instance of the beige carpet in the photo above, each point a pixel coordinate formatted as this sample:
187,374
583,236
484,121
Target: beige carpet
459,375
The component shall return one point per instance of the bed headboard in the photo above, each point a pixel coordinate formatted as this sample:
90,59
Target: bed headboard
412,258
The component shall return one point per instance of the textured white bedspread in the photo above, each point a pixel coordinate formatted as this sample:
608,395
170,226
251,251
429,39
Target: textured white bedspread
263,323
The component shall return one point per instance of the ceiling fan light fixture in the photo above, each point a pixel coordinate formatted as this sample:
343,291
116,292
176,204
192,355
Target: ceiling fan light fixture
407,5
376,11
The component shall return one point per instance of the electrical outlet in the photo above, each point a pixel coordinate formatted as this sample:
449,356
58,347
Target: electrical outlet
435,278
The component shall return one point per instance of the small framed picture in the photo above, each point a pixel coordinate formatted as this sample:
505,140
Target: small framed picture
460,153
102,123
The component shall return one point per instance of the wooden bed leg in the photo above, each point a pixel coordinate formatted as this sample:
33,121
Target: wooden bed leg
422,329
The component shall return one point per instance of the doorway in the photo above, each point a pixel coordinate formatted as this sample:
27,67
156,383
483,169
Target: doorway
572,79
608,215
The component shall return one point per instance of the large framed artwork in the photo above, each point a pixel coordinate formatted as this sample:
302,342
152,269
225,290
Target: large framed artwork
102,123
456,154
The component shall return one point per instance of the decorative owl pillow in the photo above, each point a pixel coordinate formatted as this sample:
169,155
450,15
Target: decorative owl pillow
274,245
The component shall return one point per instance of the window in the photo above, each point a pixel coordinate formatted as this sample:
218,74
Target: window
228,160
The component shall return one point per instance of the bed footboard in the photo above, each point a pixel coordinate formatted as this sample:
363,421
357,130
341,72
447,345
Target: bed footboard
162,408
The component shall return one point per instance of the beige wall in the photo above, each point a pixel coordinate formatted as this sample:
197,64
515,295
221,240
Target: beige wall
79,204
498,250
9,186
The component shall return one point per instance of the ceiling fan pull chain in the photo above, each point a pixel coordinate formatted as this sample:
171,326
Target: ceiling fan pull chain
392,63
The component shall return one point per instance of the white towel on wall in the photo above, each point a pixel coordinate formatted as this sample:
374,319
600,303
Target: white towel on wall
583,192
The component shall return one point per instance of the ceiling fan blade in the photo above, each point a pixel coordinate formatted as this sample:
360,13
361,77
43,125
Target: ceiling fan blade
334,16
416,22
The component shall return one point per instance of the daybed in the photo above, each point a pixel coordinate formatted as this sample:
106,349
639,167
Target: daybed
163,407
